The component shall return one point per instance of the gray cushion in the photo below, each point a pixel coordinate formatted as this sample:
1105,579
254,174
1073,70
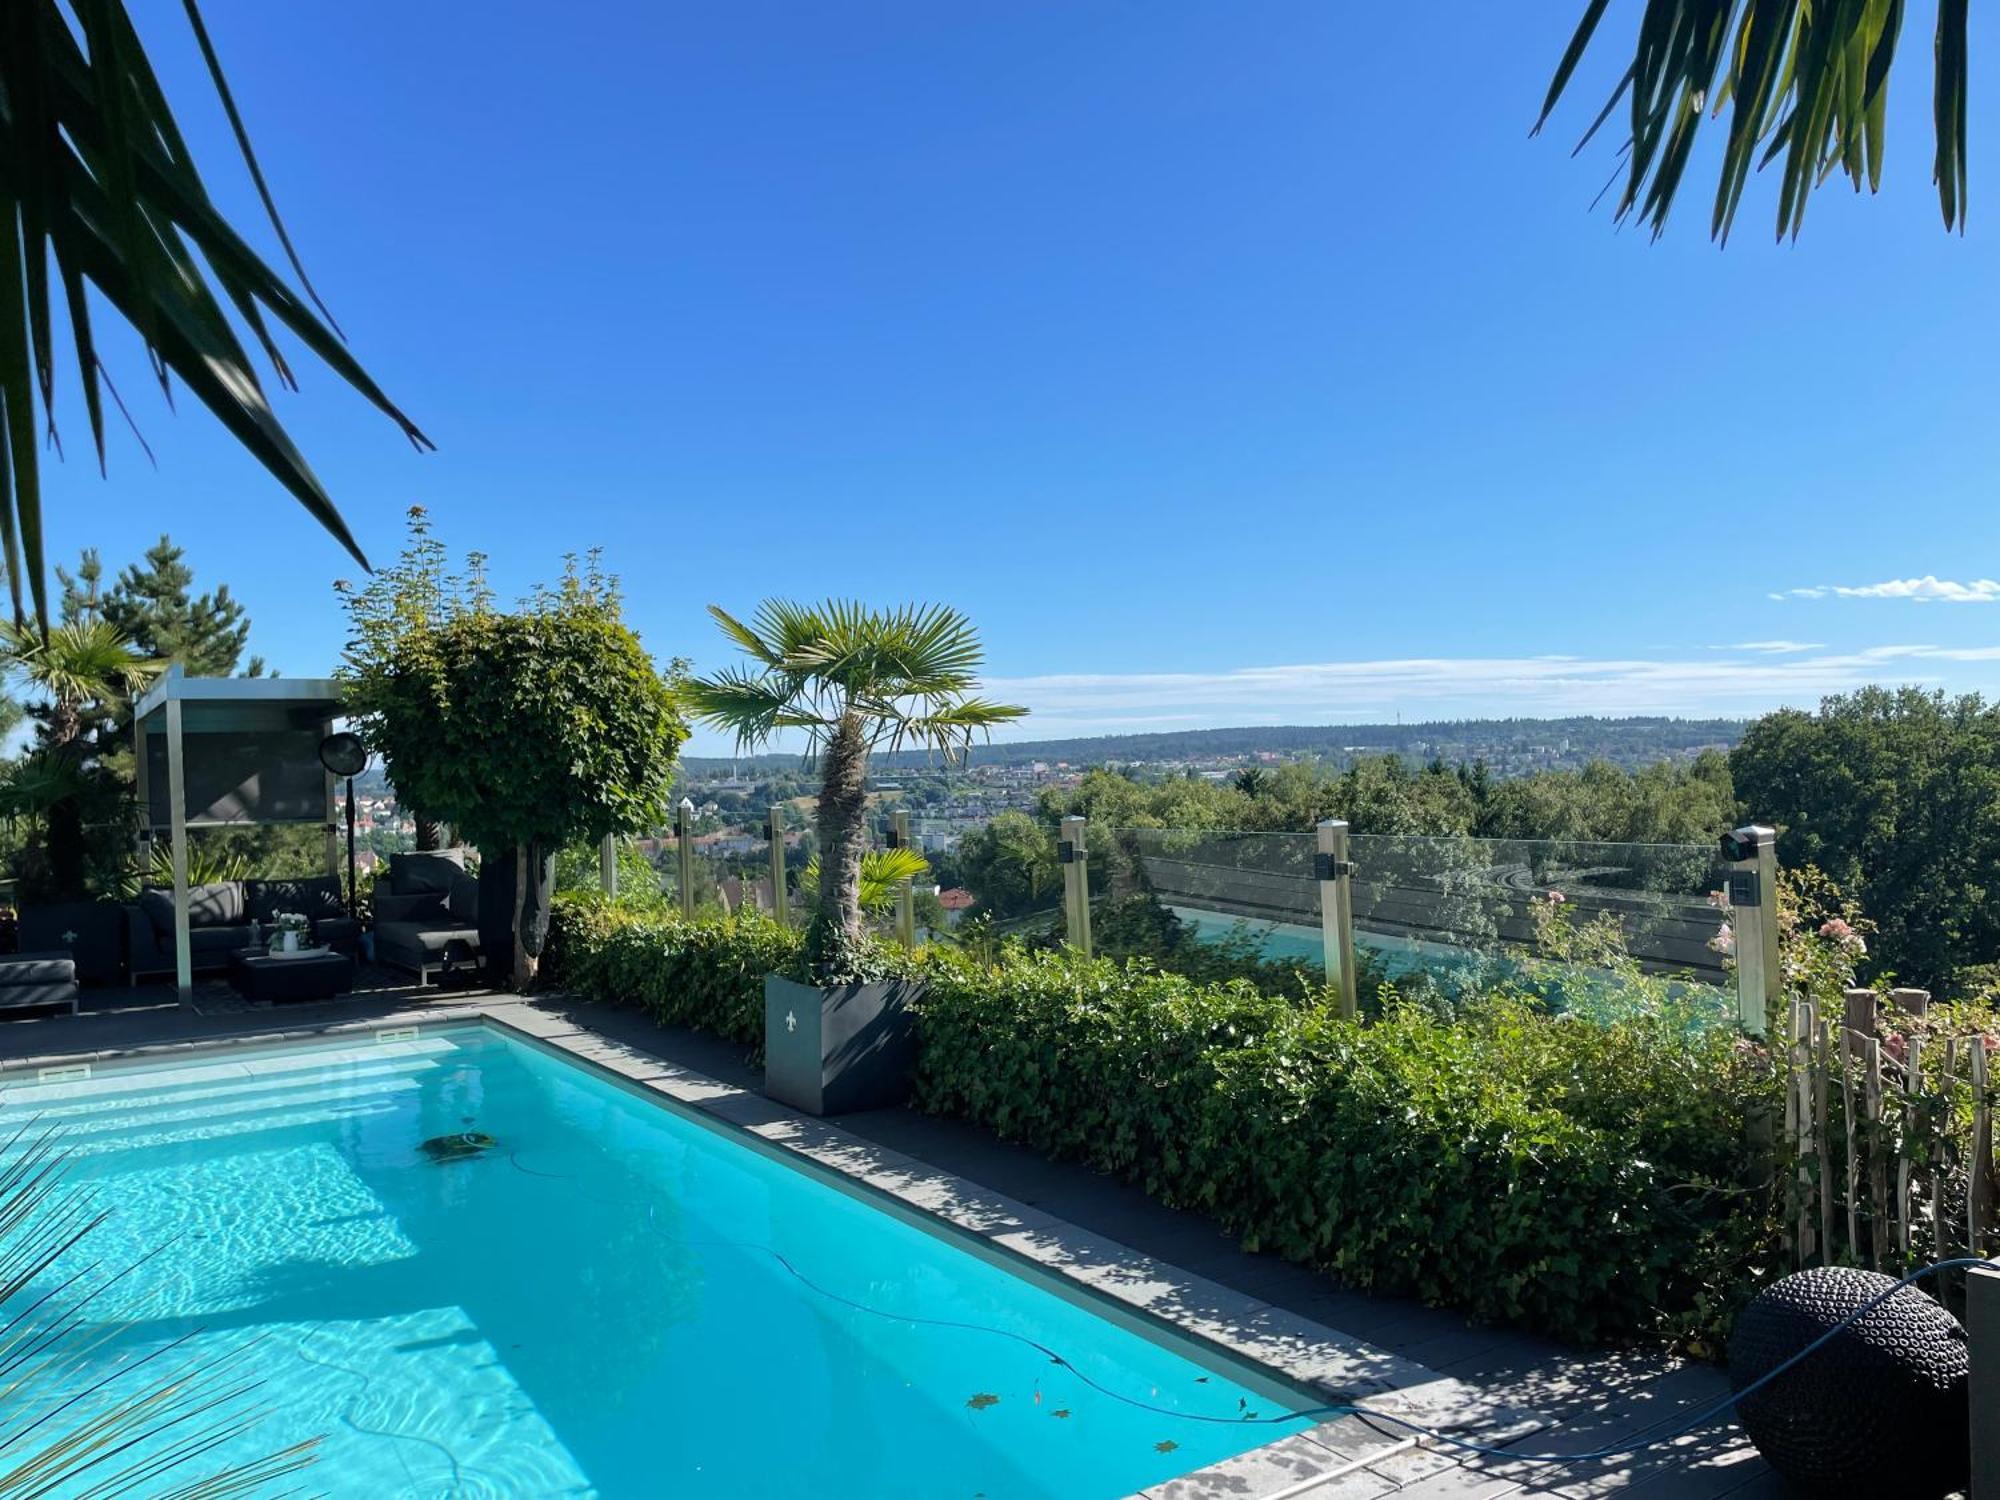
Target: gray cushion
464,900
37,968
425,906
431,870
204,941
22,996
217,905
412,938
312,896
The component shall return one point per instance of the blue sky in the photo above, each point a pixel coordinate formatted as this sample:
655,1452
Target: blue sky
1227,363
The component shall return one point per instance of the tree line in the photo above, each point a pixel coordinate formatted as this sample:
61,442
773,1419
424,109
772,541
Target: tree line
1893,794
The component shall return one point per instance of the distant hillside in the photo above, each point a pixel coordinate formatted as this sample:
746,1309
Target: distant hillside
1504,744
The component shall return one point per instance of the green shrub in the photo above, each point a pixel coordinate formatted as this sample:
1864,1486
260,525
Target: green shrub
707,974
1591,1181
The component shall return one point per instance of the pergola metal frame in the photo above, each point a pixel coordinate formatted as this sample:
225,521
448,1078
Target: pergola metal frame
177,705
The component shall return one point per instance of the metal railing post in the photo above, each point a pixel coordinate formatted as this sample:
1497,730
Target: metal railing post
684,846
1982,1328
1753,918
906,891
780,897
1336,911
1071,850
607,865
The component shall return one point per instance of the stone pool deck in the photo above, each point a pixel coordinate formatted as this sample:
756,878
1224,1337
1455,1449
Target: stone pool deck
1175,1267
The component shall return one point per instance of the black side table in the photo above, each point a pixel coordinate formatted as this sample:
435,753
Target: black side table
311,976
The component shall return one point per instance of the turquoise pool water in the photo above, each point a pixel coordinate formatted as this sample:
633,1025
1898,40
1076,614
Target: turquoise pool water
614,1300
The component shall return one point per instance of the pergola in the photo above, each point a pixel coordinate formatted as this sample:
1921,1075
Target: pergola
230,752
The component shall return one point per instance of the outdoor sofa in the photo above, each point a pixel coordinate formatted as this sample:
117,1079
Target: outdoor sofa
220,918
427,903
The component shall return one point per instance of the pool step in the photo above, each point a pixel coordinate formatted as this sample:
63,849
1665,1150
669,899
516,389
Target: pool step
117,1112
153,1120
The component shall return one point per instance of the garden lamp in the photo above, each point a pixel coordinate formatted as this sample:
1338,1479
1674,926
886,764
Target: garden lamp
344,755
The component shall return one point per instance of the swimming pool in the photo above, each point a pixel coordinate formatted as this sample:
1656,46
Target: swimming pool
611,1299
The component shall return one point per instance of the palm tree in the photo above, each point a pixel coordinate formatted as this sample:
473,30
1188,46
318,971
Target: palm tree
73,666
1809,83
850,679
96,178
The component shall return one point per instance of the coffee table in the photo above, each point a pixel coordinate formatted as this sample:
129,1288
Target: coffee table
319,975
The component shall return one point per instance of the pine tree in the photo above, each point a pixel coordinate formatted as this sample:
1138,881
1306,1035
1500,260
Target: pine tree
153,603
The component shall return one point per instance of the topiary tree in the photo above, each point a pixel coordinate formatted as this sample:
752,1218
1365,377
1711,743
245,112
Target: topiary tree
526,730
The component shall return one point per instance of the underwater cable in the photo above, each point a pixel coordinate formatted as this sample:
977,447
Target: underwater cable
1368,1414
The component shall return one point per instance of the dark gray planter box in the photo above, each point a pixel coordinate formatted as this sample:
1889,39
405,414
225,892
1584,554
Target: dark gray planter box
828,1051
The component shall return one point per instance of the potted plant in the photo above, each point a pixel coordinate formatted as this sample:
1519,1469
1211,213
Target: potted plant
291,931
851,679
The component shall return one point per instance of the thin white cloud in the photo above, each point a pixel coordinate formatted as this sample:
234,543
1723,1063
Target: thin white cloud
1712,683
1773,648
1476,687
1929,589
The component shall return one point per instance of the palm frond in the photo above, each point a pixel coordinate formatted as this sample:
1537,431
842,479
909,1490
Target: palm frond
750,706
73,1427
1800,82
882,872
949,726
99,181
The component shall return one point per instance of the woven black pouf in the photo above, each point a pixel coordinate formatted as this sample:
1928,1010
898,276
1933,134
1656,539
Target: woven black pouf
1879,1411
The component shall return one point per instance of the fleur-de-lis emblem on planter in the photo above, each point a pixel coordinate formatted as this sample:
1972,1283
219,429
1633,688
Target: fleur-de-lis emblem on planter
791,1020
69,938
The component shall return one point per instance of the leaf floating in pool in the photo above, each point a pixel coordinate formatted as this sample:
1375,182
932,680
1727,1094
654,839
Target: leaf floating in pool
983,1400
1061,1416
1166,1445
1201,1380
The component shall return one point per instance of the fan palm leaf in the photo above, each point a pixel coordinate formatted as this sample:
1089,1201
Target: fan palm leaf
69,1425
96,180
882,872
1803,83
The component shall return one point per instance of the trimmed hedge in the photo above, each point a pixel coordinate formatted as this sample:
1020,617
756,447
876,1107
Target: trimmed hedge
707,974
1593,1182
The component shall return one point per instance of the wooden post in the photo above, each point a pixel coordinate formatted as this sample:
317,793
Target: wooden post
684,847
1800,1111
177,816
1982,1329
1941,1147
1913,1082
1822,1061
1858,1020
1075,856
1753,916
780,897
1853,1151
1979,1160
906,891
1336,912
1910,1002
1878,1161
